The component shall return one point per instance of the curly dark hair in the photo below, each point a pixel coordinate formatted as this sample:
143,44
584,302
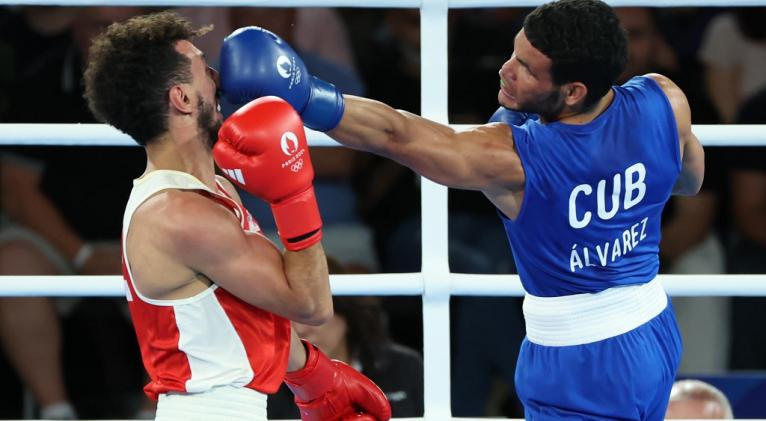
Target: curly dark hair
131,67
585,42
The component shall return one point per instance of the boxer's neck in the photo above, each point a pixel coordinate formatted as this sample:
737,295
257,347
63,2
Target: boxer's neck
590,115
187,154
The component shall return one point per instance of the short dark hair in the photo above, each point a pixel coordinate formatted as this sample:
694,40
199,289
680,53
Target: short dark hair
131,67
583,39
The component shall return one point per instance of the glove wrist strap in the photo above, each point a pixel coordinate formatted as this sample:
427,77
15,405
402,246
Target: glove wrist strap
298,220
325,106
314,379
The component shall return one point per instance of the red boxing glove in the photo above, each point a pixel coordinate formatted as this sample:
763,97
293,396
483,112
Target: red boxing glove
262,148
328,390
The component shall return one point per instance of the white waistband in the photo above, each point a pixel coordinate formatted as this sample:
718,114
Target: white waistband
585,318
223,403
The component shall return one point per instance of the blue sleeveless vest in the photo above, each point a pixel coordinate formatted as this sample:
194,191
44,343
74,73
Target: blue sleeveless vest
594,194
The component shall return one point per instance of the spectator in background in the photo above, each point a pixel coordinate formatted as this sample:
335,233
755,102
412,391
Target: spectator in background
389,195
690,237
734,53
50,224
29,327
694,399
482,39
684,28
313,30
747,243
650,51
357,335
647,49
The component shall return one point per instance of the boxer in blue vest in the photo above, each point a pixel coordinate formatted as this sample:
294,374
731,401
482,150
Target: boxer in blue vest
579,171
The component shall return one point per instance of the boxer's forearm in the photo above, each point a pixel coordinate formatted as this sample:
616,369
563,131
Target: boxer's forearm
373,126
368,125
480,158
297,359
306,272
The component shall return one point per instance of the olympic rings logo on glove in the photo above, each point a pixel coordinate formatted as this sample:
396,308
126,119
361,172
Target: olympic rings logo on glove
297,166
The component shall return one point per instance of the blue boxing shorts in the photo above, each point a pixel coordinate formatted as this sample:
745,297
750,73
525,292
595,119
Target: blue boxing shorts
612,355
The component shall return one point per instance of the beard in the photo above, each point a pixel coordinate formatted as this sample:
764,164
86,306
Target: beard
208,123
547,105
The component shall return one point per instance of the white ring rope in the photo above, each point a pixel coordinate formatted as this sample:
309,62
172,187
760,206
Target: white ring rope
114,285
387,284
104,135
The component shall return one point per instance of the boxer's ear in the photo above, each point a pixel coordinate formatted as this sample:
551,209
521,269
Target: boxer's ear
574,93
180,99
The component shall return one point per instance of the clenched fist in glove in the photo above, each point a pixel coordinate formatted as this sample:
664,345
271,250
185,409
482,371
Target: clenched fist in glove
256,62
262,148
329,390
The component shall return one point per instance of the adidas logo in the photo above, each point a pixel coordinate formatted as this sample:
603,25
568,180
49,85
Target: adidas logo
235,174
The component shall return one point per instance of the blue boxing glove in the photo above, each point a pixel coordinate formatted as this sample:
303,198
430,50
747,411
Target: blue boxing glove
508,116
256,63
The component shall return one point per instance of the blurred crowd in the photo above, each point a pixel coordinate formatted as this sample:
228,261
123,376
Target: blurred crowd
61,207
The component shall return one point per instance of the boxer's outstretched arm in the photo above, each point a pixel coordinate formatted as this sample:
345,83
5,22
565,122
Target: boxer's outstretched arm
482,158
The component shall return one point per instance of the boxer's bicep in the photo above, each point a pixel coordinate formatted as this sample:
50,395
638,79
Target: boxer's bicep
208,239
480,158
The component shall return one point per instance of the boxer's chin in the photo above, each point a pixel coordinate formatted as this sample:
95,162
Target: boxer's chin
507,100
